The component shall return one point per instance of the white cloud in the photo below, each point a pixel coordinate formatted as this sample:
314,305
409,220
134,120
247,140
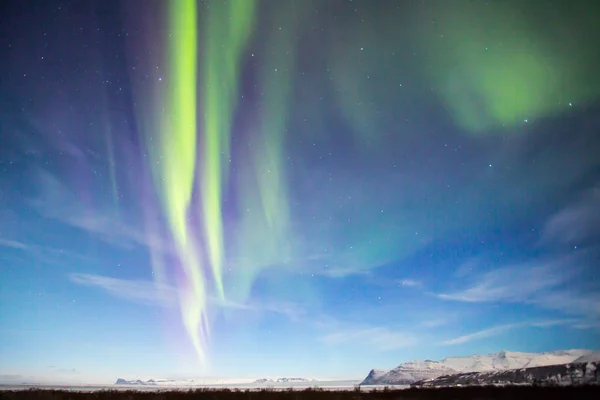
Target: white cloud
496,330
409,283
46,254
291,310
379,338
434,323
13,244
547,284
578,221
571,301
514,283
541,284
470,267
163,295
480,334
138,291
342,272
55,200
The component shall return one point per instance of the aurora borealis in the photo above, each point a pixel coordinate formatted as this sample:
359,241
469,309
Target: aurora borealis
297,187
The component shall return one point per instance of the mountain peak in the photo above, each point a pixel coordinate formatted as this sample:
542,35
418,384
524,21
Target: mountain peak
412,371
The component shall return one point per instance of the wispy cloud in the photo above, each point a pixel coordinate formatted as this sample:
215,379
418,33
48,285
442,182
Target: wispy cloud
46,254
410,283
150,293
13,244
434,323
548,284
337,271
570,301
587,325
56,201
379,338
576,222
496,330
138,291
291,310
515,283
467,268
480,334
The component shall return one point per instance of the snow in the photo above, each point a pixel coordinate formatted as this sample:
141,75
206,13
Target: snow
413,371
408,372
593,356
275,383
511,360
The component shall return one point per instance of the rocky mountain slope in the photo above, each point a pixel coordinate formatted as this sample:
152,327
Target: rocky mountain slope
413,371
407,373
564,374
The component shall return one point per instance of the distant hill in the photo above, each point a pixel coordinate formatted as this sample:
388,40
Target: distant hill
282,380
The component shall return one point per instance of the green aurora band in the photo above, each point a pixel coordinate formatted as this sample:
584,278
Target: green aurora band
263,236
228,29
483,70
178,138
178,148
495,67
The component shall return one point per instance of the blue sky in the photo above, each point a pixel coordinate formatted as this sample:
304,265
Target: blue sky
354,237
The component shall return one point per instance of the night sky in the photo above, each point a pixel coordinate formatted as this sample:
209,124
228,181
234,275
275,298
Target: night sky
245,188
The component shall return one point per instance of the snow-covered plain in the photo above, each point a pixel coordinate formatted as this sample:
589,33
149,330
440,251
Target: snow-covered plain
325,385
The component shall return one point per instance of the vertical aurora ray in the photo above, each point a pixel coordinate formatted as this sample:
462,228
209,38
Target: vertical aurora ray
178,162
263,235
110,151
228,28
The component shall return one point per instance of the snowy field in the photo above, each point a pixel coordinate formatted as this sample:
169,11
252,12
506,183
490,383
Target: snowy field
326,385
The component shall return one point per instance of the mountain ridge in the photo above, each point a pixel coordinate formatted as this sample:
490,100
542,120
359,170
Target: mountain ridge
577,373
413,371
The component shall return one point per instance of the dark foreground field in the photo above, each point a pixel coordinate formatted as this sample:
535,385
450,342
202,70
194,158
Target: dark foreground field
455,393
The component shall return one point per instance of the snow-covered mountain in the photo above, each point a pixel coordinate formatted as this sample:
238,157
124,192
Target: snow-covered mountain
407,373
182,382
584,373
511,360
212,382
413,371
122,381
593,356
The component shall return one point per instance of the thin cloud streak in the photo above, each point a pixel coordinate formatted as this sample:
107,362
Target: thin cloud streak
539,285
379,338
410,283
150,293
576,222
515,283
138,291
496,330
56,201
13,244
480,334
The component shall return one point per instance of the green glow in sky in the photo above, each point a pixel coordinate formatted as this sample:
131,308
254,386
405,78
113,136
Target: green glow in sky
494,68
178,164
485,61
228,28
263,237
